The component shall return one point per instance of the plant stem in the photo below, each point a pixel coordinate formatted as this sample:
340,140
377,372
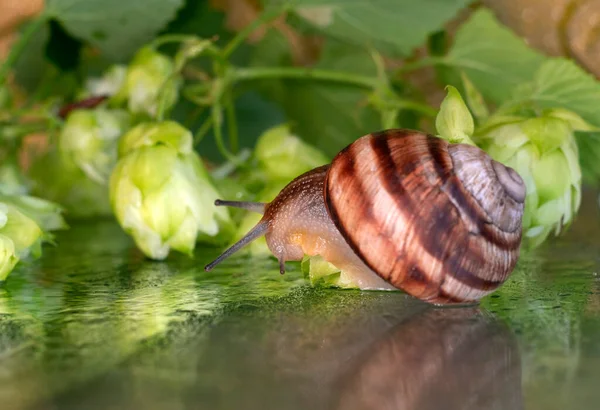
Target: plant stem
198,100
217,116
191,116
422,63
162,98
298,73
18,48
171,38
227,168
14,133
417,107
199,135
199,88
264,18
231,123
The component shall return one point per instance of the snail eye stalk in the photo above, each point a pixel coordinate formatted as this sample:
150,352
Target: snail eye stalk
258,207
259,230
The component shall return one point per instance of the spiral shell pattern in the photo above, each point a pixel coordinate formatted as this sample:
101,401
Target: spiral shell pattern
440,221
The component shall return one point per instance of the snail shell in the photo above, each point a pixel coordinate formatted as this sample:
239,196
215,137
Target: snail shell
437,220
403,209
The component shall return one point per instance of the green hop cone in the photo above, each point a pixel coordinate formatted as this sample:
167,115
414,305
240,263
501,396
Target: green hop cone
283,156
454,121
319,272
12,180
108,84
68,185
25,233
25,223
149,78
89,140
46,214
161,193
8,255
543,150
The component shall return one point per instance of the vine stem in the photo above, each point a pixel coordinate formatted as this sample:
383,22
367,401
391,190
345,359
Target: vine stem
171,38
162,96
232,129
17,49
369,83
425,62
299,73
204,128
227,168
417,107
217,122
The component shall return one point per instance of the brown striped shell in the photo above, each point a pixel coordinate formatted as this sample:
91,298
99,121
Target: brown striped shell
440,221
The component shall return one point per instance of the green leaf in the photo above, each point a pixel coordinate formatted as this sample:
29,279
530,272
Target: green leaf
589,151
494,59
32,66
560,83
392,27
116,27
63,50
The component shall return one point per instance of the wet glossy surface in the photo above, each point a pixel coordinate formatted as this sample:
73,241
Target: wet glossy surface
93,325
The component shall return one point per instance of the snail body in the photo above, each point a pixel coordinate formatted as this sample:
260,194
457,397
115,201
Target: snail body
401,209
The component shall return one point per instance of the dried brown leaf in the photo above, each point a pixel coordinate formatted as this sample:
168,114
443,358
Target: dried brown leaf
568,28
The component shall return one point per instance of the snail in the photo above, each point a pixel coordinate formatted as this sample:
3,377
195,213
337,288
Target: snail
401,209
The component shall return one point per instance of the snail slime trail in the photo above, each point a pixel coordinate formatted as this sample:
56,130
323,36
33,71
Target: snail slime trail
401,209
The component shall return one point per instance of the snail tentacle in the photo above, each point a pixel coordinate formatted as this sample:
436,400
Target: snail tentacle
259,230
258,207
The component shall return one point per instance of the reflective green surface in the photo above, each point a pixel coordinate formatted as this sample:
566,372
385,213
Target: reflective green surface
93,325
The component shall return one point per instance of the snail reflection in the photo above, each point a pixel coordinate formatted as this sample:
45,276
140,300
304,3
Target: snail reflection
441,359
401,209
